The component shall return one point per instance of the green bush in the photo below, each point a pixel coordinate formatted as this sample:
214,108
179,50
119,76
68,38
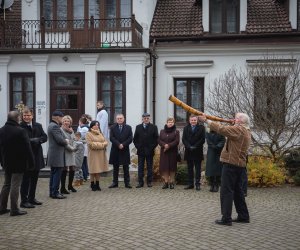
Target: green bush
182,174
296,178
262,172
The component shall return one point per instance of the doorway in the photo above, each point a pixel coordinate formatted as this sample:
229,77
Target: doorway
67,94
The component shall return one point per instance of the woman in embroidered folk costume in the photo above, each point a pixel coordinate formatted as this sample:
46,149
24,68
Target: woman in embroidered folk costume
97,161
168,141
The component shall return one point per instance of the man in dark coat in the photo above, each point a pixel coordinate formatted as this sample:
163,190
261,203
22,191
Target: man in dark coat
56,153
193,139
30,178
15,157
120,137
145,141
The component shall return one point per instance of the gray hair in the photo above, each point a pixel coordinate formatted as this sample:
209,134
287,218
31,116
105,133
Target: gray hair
13,115
245,119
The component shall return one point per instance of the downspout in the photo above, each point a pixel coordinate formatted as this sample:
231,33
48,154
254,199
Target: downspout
146,82
154,81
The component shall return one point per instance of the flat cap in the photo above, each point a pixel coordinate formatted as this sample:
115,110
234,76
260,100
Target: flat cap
58,113
146,114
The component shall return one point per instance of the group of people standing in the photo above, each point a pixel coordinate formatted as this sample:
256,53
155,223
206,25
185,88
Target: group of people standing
85,151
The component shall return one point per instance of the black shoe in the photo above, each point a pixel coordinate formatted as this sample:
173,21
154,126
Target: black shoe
171,185
198,187
71,189
149,185
189,187
98,186
139,185
128,186
5,211
211,188
94,188
245,194
26,205
216,189
165,186
224,223
59,196
238,220
113,185
18,212
64,191
36,202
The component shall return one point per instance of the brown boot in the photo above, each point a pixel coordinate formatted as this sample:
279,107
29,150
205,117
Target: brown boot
81,181
76,183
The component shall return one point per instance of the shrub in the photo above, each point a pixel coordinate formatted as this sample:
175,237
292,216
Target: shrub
296,178
262,172
182,174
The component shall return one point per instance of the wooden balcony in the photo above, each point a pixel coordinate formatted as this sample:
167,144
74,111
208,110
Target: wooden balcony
71,34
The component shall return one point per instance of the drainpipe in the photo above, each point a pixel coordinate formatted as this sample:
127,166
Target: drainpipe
146,84
154,80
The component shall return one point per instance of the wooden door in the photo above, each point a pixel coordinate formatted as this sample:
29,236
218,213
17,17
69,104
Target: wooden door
67,95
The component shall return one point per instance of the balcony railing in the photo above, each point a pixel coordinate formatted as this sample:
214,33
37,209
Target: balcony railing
76,34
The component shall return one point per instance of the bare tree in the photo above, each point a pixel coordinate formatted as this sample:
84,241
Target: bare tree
268,90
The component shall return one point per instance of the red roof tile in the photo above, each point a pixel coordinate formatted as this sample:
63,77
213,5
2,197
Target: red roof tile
177,18
267,16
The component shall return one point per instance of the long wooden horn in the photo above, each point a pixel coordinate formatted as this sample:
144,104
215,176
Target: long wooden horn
191,110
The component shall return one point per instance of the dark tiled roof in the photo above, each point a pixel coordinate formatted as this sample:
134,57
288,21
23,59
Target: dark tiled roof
176,18
267,16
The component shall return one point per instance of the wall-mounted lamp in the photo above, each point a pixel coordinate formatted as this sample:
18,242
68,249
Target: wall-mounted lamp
65,58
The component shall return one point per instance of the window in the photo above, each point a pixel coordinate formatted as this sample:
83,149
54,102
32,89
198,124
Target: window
191,92
269,101
111,90
224,16
22,89
84,9
55,10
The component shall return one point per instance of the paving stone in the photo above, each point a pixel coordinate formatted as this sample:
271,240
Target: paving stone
152,219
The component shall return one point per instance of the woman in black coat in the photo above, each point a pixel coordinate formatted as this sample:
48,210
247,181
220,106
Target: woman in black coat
168,141
215,143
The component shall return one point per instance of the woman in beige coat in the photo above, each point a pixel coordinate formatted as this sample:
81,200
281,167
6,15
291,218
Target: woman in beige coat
97,161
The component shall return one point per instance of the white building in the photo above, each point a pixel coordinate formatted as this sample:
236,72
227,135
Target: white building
133,54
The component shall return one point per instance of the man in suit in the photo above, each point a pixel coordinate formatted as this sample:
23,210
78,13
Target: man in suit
30,178
193,139
56,151
145,141
120,137
15,157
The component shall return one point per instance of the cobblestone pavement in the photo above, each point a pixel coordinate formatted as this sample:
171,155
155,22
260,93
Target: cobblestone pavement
152,218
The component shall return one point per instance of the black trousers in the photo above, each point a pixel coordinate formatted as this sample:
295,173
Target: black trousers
116,174
141,161
231,191
28,186
191,165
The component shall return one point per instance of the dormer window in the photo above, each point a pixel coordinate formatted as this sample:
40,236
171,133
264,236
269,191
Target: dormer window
224,16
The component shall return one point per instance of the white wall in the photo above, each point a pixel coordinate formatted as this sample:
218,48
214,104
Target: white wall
223,57
143,10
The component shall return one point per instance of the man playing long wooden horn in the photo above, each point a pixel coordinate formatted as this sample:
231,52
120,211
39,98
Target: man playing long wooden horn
233,158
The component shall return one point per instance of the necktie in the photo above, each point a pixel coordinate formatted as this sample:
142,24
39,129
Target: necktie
120,128
193,129
145,126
